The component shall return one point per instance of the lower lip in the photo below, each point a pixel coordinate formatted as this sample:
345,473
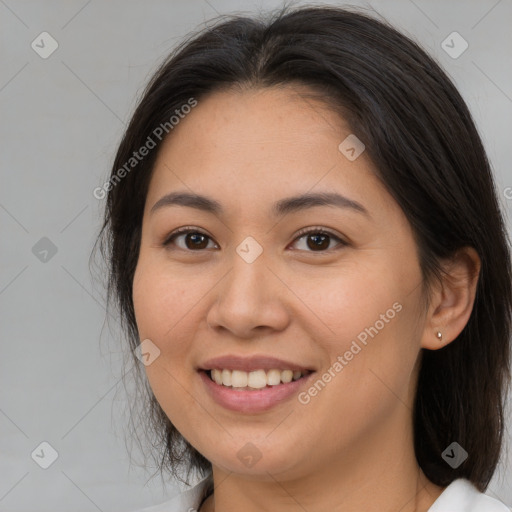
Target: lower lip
252,401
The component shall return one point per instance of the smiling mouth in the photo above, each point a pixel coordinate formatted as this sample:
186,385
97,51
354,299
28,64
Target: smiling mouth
251,381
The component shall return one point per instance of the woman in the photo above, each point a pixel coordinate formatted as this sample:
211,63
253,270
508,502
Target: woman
309,258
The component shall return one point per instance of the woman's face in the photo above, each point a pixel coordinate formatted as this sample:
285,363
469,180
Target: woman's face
248,286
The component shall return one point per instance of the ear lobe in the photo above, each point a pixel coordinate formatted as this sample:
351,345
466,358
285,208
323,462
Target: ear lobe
452,300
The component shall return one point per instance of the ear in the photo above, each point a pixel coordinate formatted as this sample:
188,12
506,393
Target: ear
452,300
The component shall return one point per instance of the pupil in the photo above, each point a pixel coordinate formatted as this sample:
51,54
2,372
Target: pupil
323,245
196,237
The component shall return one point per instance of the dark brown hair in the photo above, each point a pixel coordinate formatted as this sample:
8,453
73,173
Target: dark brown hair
421,137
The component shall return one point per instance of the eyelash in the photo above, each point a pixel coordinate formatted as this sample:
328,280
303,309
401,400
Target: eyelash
306,231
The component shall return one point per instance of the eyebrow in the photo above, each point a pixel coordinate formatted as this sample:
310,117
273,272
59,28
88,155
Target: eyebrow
280,208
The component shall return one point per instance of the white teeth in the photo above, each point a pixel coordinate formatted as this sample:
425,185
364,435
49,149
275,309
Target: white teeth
238,379
286,376
273,377
257,379
226,378
217,377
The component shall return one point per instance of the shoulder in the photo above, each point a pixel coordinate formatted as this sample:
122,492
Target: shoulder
462,496
185,501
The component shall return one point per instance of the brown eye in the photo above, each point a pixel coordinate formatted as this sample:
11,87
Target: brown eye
318,240
194,240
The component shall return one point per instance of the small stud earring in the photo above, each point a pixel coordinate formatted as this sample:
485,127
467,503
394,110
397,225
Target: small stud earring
439,335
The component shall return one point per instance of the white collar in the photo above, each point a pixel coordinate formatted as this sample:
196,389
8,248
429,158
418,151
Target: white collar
462,496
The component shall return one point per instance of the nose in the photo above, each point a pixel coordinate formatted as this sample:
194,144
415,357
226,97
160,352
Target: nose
250,300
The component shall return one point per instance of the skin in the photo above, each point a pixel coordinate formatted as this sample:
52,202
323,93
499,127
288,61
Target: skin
351,447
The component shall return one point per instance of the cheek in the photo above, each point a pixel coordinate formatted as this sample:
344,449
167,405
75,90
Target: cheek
343,305
370,331
367,382
163,305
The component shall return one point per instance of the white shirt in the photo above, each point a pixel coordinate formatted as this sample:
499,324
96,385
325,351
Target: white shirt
460,496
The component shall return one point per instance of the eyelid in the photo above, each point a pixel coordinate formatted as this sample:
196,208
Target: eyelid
304,231
317,229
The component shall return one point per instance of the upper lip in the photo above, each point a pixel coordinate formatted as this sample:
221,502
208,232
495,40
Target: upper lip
249,364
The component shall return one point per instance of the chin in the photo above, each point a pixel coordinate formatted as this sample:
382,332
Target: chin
260,461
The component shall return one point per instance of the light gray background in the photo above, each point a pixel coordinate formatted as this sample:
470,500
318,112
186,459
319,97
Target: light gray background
61,119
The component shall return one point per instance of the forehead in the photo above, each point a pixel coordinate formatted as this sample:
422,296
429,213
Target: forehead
257,144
